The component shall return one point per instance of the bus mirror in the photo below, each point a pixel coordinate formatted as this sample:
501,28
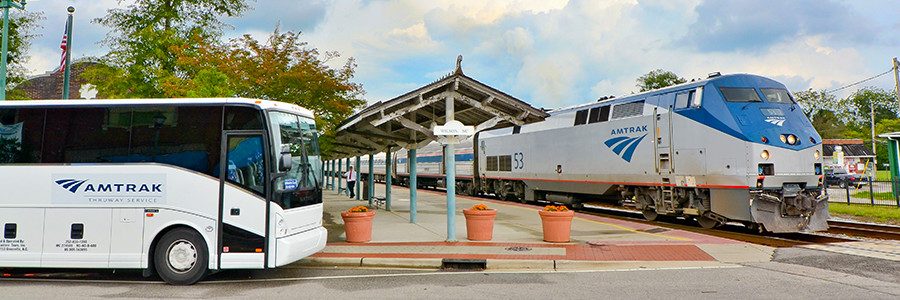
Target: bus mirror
285,162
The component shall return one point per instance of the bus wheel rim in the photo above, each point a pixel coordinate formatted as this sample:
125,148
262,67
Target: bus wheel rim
182,256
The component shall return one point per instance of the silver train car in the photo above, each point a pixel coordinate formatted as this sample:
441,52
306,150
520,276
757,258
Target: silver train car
732,148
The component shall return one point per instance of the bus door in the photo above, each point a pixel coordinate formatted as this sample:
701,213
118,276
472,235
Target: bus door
242,200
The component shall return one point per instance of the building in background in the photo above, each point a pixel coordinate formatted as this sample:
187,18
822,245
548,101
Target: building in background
848,154
50,85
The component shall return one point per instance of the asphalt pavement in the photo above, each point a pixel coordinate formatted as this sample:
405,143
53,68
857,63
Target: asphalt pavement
790,276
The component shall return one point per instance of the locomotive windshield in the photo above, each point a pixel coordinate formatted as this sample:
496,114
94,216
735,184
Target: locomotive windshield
777,95
740,94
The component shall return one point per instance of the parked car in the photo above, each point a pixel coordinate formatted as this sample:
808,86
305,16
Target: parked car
841,178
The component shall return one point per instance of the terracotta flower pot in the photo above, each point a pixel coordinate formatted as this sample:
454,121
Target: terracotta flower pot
358,226
480,224
557,225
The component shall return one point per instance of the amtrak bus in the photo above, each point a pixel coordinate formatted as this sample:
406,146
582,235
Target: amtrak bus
176,187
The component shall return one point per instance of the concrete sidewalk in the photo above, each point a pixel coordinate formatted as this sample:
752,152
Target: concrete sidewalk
597,242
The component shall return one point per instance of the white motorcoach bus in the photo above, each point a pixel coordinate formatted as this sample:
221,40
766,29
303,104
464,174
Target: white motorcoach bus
179,187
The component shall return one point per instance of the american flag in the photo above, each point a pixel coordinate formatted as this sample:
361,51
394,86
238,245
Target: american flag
64,45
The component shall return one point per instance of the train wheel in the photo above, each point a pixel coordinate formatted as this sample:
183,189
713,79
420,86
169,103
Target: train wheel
707,223
650,214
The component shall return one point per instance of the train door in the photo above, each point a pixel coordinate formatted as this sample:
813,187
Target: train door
662,119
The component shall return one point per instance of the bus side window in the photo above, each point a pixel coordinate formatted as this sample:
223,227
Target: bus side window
243,118
21,133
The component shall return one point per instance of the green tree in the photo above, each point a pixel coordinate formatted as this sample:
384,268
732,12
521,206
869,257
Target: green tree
142,37
658,79
814,101
829,124
22,26
860,104
283,68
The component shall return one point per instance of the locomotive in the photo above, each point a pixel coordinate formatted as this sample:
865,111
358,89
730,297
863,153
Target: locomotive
728,148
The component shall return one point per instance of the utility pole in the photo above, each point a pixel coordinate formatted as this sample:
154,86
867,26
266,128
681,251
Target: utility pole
67,73
872,126
897,78
6,5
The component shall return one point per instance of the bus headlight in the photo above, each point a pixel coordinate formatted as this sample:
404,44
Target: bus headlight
764,154
816,155
783,138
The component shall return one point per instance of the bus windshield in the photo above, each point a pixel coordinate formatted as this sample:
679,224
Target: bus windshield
297,135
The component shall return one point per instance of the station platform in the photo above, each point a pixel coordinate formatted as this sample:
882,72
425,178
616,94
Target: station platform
597,242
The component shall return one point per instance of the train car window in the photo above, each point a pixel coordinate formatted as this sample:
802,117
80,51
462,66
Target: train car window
628,110
517,129
604,113
595,115
581,117
506,163
492,164
740,94
777,95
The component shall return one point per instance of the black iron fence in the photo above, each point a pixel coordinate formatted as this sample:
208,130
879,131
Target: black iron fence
877,192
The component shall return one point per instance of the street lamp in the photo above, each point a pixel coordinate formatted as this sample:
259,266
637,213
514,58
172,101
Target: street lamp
6,5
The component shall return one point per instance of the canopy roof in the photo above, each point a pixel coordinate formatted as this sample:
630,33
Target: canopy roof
408,120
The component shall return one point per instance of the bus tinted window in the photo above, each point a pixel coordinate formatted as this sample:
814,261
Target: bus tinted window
295,135
87,135
243,118
188,137
777,95
21,132
740,94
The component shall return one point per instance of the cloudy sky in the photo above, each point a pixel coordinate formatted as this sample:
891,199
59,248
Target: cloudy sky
556,53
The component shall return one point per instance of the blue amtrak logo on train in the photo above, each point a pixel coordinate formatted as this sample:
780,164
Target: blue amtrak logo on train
72,185
625,140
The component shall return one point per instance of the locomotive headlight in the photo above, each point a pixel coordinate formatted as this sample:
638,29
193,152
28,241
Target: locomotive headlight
764,154
792,139
816,155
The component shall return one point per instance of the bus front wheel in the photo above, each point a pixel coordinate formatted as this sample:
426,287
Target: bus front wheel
181,257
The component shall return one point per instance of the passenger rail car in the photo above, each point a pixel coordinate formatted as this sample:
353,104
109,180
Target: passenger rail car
727,148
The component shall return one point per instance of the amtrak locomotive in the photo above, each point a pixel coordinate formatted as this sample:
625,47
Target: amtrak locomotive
732,148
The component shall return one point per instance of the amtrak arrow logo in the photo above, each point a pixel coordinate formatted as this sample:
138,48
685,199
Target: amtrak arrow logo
70,184
624,146
776,120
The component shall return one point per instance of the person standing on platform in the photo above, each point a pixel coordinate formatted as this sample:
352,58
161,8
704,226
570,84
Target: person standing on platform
351,182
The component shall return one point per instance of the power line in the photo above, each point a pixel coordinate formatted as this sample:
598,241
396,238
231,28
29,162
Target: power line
859,82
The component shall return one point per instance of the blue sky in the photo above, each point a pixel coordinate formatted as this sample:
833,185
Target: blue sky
555,53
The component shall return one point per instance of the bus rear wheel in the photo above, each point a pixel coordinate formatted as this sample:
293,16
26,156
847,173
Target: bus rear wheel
181,257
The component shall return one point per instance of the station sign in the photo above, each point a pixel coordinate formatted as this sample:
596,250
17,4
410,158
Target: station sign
453,132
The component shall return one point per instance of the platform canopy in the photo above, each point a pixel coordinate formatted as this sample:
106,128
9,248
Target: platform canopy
408,120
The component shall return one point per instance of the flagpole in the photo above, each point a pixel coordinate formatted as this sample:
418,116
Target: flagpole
65,94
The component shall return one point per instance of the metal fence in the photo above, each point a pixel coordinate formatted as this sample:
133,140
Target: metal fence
878,192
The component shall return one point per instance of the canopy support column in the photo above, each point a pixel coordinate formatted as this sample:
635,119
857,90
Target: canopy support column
450,182
358,181
338,176
413,184
371,178
387,180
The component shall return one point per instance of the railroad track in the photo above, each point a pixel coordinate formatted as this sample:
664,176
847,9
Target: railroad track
729,231
867,230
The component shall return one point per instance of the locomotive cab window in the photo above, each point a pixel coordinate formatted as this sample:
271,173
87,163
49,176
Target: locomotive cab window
777,96
740,94
684,100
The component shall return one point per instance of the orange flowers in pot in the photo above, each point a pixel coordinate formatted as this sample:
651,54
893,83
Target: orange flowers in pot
358,224
557,223
480,222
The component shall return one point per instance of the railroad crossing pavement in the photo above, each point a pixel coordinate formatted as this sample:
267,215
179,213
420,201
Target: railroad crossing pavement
598,242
